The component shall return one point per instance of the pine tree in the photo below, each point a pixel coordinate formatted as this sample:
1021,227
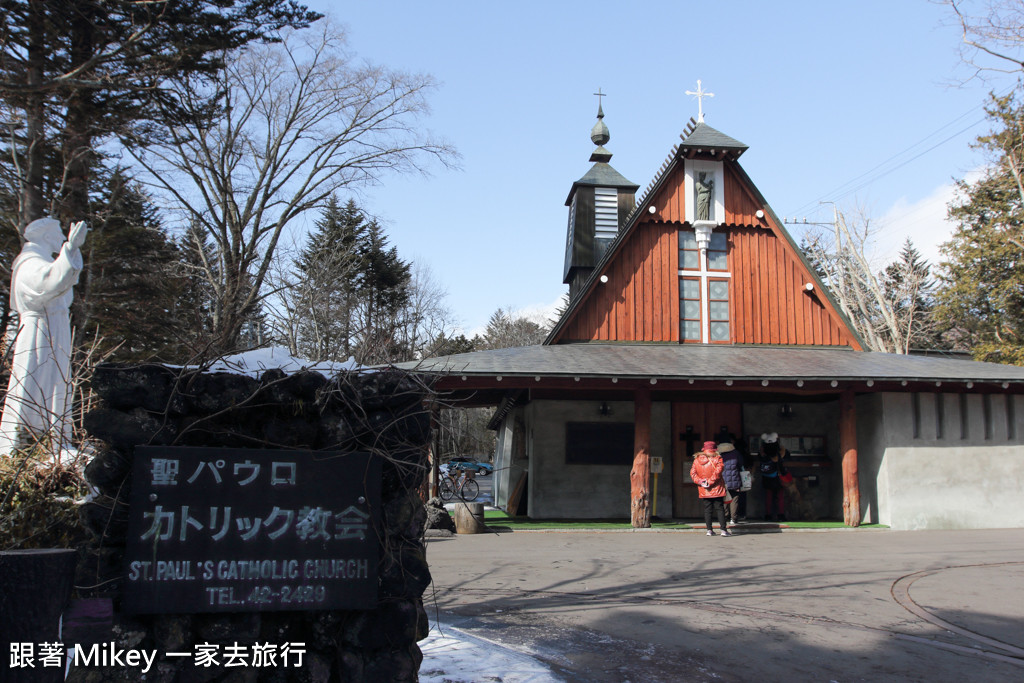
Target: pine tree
324,296
910,289
445,346
382,290
131,290
982,294
351,291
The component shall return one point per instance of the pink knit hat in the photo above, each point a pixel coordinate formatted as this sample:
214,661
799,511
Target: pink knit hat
709,446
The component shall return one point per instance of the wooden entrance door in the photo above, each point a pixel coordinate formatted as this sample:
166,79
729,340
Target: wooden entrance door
692,425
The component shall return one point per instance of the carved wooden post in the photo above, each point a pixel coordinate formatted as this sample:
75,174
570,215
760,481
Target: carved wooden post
640,476
848,446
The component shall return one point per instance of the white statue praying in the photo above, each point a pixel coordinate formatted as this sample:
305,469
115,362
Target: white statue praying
42,278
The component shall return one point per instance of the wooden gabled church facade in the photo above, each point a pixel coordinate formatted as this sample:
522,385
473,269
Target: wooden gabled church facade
733,278
693,316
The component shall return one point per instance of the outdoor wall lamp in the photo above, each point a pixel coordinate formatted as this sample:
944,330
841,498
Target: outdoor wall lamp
604,409
786,410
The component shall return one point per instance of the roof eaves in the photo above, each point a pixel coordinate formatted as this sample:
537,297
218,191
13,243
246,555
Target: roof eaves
704,136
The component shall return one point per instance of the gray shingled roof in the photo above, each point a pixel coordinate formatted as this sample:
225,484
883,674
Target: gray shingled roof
694,361
706,137
604,175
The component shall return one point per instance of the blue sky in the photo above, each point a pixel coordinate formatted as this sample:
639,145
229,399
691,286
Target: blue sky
860,103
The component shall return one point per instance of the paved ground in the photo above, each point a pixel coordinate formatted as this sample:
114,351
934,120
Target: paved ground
647,606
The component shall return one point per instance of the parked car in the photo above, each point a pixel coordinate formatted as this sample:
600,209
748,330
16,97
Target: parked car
463,463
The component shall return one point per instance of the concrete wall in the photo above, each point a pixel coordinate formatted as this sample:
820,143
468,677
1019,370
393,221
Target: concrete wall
558,490
874,482
946,463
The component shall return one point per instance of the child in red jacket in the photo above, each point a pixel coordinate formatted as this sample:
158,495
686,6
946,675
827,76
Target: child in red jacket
706,473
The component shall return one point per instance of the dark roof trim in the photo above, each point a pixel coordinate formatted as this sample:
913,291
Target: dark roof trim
705,138
699,362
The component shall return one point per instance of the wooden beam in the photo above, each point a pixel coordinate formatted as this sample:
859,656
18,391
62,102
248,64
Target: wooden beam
848,446
640,476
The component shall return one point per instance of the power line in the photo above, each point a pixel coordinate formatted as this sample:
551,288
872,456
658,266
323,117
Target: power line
895,156
832,194
917,156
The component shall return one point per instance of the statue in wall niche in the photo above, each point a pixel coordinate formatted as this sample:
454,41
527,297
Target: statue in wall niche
705,191
42,278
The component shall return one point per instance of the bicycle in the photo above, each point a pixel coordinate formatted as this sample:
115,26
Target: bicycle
466,488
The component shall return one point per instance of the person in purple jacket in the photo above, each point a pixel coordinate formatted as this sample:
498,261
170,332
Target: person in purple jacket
731,475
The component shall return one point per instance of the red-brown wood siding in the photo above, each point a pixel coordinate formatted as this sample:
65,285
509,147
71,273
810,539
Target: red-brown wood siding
670,201
741,206
769,303
638,303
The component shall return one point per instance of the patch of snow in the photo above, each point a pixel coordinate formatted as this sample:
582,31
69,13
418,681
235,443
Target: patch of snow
254,363
454,656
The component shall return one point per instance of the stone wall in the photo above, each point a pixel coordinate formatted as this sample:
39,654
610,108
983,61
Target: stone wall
382,413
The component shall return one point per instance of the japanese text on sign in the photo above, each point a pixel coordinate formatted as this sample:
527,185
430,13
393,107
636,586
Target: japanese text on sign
206,523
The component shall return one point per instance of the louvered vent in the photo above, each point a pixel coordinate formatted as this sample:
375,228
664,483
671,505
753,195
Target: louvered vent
606,212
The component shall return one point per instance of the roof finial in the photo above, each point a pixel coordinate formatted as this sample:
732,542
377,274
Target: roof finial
700,94
600,111
599,134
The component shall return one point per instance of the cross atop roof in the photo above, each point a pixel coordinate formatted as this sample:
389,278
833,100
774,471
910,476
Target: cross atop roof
599,94
700,94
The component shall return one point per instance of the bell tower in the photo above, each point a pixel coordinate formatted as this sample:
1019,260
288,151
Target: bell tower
598,204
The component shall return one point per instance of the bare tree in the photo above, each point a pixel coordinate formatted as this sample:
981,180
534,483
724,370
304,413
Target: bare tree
75,72
888,318
306,309
302,120
991,39
301,310
506,329
425,317
463,431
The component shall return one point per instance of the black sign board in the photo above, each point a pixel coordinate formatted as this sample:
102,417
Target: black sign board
240,530
599,443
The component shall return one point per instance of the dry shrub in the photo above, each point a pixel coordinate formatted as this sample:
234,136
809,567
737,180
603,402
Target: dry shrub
38,506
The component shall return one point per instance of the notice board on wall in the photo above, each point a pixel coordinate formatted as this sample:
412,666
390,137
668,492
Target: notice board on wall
239,530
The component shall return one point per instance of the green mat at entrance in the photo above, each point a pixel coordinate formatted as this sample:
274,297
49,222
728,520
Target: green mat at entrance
497,519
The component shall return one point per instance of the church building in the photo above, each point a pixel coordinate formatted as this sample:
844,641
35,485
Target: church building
694,316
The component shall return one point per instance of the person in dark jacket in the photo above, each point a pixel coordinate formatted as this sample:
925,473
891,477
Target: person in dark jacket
772,468
731,475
